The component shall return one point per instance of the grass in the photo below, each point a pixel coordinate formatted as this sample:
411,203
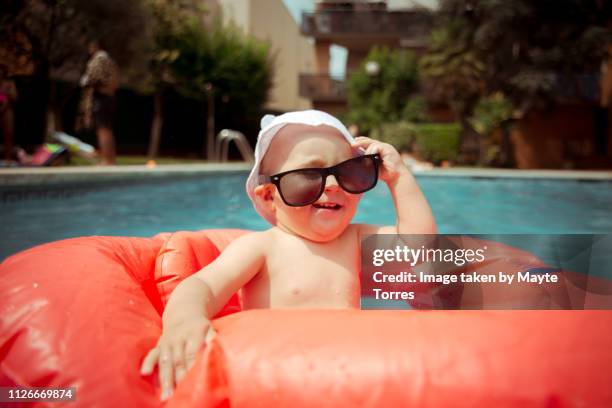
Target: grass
136,160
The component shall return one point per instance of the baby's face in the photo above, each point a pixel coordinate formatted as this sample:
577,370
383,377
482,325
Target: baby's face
302,146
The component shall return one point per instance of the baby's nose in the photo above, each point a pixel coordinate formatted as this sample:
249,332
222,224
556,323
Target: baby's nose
331,184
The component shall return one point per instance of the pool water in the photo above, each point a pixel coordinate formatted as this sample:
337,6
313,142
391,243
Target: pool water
460,204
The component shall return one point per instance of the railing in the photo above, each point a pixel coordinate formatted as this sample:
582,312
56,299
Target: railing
372,22
225,137
322,87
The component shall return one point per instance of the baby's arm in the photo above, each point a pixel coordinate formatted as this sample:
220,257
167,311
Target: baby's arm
414,215
196,300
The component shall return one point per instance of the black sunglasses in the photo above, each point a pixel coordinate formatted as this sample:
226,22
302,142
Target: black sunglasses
303,187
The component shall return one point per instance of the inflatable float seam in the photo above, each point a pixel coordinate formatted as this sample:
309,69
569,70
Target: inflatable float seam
217,377
164,250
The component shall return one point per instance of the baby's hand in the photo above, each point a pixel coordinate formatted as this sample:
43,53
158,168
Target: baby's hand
392,165
176,351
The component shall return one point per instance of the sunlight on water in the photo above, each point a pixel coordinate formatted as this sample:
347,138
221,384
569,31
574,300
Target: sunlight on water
461,205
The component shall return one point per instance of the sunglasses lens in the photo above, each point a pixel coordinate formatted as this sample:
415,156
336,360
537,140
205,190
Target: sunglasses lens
357,175
301,187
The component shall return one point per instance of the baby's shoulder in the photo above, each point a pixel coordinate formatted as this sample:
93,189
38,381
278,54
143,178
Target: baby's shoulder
246,249
255,239
369,229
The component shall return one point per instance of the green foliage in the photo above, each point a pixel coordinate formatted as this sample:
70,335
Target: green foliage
169,17
399,134
532,51
236,66
490,113
53,34
453,72
433,142
436,142
375,98
535,53
415,110
45,38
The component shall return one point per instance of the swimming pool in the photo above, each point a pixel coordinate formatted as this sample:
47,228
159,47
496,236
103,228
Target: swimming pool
460,204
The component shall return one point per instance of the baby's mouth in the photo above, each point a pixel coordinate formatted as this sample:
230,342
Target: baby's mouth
327,206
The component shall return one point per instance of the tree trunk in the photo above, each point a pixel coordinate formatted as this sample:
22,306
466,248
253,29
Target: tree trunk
156,126
54,117
46,105
210,127
506,156
51,116
469,144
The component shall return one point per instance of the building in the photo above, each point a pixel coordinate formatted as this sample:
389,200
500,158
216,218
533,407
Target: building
577,133
269,20
358,26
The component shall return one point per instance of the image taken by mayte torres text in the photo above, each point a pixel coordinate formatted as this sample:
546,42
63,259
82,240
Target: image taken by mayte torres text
486,272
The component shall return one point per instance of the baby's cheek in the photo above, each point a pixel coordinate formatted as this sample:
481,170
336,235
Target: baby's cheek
299,214
351,206
354,200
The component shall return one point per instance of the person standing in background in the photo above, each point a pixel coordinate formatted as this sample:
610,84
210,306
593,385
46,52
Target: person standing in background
8,97
100,82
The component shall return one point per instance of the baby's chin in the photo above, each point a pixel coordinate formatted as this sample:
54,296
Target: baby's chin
318,223
316,231
326,234
325,230
321,235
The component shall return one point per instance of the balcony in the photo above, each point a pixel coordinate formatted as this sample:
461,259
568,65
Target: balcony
321,87
332,24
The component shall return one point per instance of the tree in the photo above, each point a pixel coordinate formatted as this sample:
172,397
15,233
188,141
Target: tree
220,64
453,71
168,19
381,95
491,114
52,35
530,52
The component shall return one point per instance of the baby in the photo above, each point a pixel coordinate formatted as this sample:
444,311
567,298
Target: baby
308,178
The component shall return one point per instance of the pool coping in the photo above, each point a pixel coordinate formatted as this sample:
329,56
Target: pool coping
602,175
24,177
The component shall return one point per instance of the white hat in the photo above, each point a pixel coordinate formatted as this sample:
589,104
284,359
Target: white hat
270,125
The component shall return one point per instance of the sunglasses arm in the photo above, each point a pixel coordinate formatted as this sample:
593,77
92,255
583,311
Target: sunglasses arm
261,179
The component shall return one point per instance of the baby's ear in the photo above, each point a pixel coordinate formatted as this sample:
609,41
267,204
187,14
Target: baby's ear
265,192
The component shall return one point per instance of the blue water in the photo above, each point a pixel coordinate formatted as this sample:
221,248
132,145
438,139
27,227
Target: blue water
460,205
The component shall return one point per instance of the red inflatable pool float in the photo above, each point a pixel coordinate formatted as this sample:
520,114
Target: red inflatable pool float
83,312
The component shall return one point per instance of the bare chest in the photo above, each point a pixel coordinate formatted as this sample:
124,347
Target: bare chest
307,275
